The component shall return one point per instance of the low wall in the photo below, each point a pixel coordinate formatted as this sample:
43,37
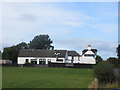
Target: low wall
78,65
56,65
62,65
9,65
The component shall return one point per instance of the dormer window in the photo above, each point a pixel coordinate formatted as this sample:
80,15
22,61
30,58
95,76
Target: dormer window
89,55
57,54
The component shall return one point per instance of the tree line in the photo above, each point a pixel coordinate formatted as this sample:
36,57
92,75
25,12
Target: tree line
44,42
112,60
38,42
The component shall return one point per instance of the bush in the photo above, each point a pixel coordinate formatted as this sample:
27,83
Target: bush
99,59
113,61
27,64
118,80
104,72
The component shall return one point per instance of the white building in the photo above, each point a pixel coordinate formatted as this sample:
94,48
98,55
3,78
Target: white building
38,56
5,61
88,56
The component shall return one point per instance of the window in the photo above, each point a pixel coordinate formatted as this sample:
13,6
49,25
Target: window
89,55
42,61
49,61
34,61
59,60
27,60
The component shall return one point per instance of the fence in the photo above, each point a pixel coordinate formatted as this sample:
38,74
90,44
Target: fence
61,65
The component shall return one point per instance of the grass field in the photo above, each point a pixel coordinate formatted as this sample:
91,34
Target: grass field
36,77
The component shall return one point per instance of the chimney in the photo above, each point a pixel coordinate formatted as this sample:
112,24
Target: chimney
89,47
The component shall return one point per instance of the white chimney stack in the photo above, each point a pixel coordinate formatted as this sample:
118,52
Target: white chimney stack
89,47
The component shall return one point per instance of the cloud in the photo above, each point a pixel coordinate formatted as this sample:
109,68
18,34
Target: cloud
106,27
74,24
26,20
23,21
59,1
105,49
28,17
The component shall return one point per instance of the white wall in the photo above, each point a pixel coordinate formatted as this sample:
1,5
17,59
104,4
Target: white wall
22,60
87,59
76,59
5,62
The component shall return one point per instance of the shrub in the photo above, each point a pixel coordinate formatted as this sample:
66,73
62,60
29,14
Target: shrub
99,59
104,72
113,61
118,80
27,64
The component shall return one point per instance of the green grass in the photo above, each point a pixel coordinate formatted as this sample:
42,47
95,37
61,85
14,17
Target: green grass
36,77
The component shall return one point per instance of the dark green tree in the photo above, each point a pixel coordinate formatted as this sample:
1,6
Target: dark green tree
118,51
41,42
118,54
11,53
104,72
99,59
0,55
22,45
113,61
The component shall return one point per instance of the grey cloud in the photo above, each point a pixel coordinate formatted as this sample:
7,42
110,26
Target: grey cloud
104,48
28,17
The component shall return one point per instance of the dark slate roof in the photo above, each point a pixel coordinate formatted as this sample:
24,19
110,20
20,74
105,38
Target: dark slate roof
93,50
41,53
62,52
73,53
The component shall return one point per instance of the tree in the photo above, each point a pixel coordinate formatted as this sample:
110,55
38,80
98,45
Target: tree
41,42
22,45
118,54
104,72
0,55
113,61
118,51
99,59
11,53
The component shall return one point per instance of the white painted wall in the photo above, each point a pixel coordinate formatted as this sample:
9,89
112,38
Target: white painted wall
5,62
22,60
76,59
87,59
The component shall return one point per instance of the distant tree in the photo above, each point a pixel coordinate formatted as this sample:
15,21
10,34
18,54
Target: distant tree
22,45
118,51
104,72
11,53
99,59
118,54
41,42
0,55
113,61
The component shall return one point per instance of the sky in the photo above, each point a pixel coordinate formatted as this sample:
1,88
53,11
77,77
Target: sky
71,25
